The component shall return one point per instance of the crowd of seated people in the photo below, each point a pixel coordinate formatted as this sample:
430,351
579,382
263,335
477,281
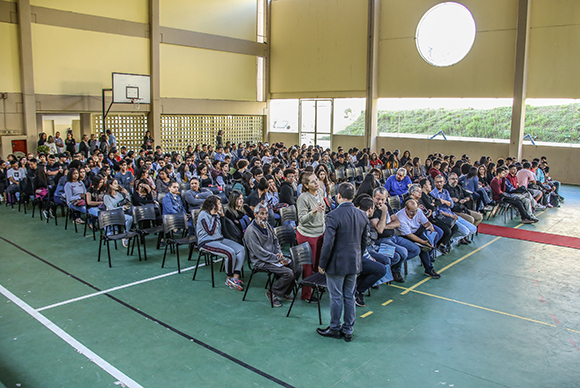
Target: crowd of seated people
436,205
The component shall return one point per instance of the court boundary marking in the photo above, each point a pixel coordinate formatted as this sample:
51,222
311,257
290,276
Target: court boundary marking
75,344
150,317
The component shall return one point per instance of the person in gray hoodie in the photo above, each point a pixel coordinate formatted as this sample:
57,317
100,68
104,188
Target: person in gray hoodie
210,238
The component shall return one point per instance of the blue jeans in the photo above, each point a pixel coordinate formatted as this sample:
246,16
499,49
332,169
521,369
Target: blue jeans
465,227
341,290
403,246
372,271
394,262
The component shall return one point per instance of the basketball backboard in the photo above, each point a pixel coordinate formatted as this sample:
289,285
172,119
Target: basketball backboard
128,88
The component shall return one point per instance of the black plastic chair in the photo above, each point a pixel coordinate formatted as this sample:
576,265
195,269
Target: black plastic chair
288,213
302,255
286,235
115,220
254,270
340,175
172,222
395,202
350,174
144,218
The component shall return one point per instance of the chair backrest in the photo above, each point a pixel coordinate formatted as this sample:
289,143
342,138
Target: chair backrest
301,254
174,221
340,175
358,171
184,186
395,202
160,198
144,213
228,190
367,169
285,235
115,217
194,215
288,213
386,174
349,173
393,171
333,190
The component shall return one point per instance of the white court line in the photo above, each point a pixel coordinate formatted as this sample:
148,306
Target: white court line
114,289
93,357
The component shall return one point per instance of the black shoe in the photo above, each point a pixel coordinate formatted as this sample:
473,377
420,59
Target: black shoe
328,332
312,299
433,274
287,298
359,299
442,250
375,287
397,277
347,337
273,299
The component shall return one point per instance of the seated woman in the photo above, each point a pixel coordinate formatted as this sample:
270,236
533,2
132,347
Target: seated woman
163,181
183,173
118,198
210,238
471,183
74,191
236,212
375,161
41,190
205,179
95,197
195,196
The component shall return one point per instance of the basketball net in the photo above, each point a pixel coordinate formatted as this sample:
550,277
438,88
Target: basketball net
136,103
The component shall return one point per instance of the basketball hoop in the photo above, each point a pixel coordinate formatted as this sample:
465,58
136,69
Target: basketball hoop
136,103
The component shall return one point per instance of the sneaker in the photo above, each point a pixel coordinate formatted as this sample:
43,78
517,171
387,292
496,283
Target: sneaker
125,242
78,221
488,208
231,283
51,213
549,205
45,214
312,299
287,298
273,299
359,299
528,221
433,274
397,277
539,207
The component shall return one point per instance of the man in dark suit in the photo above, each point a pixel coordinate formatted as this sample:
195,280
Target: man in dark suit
340,259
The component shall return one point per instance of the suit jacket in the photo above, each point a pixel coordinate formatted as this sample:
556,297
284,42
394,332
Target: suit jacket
344,244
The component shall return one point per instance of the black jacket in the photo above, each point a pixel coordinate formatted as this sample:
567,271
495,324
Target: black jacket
344,240
459,193
287,194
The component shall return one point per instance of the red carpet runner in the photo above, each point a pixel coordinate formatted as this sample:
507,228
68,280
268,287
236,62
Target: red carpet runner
527,235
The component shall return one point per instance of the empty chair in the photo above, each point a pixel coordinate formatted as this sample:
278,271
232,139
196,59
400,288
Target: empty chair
288,213
395,202
112,224
144,218
302,255
171,224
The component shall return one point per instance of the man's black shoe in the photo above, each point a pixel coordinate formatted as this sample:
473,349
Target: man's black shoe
398,277
328,332
433,274
347,337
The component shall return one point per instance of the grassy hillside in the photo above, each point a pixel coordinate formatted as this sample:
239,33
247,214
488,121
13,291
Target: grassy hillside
559,123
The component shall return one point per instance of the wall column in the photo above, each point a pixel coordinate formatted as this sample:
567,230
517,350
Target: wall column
27,74
154,121
371,132
520,79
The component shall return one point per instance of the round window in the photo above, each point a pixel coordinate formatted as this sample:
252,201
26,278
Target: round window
445,34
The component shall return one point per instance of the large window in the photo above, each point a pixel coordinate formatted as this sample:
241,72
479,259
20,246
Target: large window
445,34
553,120
349,116
461,117
284,116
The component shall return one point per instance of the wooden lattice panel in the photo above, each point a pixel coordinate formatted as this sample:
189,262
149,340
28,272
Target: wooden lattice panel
129,130
180,131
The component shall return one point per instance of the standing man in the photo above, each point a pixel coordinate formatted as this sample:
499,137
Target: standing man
340,258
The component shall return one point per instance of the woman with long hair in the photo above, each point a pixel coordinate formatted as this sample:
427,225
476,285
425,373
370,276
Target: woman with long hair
375,161
311,224
210,238
41,138
236,212
74,191
148,141
367,186
405,158
322,175
117,197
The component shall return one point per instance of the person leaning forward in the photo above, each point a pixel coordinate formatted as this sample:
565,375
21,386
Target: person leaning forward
340,259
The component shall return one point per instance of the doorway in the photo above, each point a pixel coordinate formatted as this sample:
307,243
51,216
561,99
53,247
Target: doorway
316,122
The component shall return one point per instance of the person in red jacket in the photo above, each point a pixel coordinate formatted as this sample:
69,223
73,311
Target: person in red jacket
499,194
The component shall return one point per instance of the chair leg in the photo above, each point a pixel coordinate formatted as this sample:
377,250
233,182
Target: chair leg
109,253
248,285
66,220
100,246
177,254
164,255
212,277
197,265
144,246
271,285
294,299
138,247
319,295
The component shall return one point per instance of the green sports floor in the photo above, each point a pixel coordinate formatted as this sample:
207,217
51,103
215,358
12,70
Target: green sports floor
505,313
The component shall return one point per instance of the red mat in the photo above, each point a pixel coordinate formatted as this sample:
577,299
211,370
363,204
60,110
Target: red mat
528,235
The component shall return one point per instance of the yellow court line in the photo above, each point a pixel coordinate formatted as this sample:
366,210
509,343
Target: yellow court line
484,308
387,302
366,314
573,331
451,265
